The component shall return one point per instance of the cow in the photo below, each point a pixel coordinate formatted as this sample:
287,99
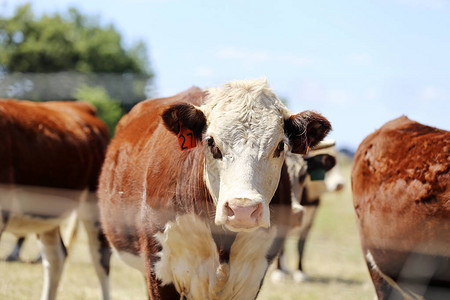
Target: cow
401,196
310,176
51,155
186,185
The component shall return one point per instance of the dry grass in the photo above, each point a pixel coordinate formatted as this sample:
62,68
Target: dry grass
333,260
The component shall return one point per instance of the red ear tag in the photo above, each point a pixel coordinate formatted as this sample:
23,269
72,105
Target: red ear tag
186,138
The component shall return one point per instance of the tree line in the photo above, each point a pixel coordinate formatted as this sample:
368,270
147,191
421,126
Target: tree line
69,56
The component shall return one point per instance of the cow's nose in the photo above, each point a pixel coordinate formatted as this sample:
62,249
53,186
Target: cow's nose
339,186
243,216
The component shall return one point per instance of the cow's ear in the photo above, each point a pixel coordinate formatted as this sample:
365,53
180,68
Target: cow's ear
186,115
321,161
328,162
305,130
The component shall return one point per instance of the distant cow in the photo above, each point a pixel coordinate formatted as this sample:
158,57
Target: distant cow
401,195
50,159
197,223
310,177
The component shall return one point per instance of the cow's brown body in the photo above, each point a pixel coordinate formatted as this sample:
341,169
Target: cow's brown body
40,142
401,190
137,140
50,159
169,186
149,189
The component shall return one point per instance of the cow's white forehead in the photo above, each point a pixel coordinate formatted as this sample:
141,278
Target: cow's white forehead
245,111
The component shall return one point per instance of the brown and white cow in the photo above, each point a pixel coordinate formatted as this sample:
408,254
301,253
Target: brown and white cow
50,159
401,195
197,223
310,176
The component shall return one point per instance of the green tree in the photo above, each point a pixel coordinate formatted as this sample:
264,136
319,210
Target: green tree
68,56
67,42
108,109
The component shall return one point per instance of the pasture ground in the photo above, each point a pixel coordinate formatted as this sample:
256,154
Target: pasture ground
333,260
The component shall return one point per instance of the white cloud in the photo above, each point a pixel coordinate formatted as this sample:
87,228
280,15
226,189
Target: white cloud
431,93
203,72
360,59
139,1
426,3
255,56
373,93
313,91
339,97
294,59
242,54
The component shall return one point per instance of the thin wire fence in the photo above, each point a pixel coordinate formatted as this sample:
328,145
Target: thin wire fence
127,88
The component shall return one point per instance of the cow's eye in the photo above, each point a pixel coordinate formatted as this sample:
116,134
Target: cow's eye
214,149
279,149
211,142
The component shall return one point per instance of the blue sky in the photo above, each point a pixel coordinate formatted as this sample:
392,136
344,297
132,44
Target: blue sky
359,63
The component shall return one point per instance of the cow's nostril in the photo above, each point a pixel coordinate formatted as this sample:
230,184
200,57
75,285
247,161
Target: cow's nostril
256,214
228,211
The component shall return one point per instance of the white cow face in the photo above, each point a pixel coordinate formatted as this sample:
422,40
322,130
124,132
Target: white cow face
244,130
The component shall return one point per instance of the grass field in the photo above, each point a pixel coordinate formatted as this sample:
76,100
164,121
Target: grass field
333,260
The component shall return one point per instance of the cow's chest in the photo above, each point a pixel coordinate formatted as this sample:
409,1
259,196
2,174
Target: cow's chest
190,260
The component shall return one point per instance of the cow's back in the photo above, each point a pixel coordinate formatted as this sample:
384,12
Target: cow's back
401,191
51,144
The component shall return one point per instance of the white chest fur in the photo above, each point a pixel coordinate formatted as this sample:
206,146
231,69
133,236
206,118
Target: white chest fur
190,261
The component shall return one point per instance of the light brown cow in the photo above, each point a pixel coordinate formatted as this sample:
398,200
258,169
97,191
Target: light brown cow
50,159
197,223
401,194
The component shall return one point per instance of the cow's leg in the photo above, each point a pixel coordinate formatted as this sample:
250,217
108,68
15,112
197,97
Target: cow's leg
70,234
37,259
155,290
4,218
99,247
386,286
382,288
300,249
100,253
307,221
53,257
282,269
15,253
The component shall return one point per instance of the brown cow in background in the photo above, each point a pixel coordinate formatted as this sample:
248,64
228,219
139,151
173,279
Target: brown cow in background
50,159
401,191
